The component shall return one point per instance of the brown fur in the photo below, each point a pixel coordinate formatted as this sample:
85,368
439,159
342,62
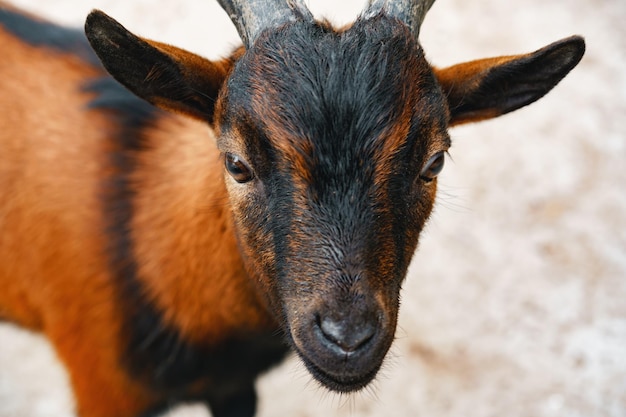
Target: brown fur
50,196
174,177
53,271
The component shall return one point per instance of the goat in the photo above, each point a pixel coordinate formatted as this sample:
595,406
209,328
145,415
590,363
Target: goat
175,243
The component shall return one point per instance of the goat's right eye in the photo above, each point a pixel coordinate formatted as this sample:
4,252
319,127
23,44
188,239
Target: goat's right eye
238,168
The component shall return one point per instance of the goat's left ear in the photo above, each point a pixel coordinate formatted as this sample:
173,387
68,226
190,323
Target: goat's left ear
488,88
166,76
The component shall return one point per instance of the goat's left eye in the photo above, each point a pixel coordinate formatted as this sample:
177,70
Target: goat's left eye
238,168
433,167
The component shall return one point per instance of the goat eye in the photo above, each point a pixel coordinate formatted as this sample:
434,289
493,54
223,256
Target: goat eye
433,167
238,168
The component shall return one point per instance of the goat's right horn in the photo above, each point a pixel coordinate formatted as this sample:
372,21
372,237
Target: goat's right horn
251,17
411,12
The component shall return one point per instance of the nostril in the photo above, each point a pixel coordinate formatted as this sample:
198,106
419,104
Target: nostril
348,336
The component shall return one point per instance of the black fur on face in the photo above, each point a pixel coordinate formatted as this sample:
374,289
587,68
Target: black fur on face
337,127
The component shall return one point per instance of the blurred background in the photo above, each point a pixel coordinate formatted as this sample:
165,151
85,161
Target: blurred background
515,303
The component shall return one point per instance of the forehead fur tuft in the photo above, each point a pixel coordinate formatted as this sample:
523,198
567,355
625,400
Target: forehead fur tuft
308,87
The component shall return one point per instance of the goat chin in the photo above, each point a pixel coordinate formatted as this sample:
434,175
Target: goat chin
338,381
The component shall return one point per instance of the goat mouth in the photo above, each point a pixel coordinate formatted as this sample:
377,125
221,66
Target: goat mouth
339,382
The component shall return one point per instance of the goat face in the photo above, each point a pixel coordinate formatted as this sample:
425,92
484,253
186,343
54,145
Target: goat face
331,143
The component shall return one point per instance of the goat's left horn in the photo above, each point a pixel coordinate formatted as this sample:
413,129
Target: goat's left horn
251,17
411,12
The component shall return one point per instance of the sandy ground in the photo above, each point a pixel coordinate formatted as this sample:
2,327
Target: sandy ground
516,300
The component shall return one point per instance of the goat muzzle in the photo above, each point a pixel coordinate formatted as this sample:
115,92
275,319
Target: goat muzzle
343,343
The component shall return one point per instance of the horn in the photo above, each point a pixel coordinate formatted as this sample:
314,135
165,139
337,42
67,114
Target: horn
251,17
411,12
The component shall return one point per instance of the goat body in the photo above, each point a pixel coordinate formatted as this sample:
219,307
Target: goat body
176,255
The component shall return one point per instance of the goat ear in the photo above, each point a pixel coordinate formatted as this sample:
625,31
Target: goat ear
488,88
168,77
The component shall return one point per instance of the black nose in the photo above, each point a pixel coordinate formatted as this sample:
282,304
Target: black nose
347,335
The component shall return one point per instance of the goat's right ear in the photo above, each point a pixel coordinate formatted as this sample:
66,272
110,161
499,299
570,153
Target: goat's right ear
166,76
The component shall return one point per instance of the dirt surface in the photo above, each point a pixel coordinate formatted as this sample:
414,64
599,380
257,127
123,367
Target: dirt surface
515,304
